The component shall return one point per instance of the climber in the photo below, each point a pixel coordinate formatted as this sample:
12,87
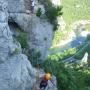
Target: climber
32,6
44,81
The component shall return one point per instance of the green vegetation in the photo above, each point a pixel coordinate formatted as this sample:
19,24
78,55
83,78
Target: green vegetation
82,49
83,76
88,38
64,75
39,12
58,36
63,55
52,12
75,10
22,39
67,77
16,51
72,77
88,27
33,55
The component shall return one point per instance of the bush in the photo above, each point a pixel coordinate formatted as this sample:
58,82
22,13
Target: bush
22,39
52,12
16,51
83,77
59,36
68,77
65,77
63,55
39,12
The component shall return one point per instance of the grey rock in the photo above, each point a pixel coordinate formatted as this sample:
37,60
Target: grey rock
16,72
56,2
41,36
40,32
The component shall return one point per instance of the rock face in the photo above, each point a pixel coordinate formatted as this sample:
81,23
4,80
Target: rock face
16,72
41,36
40,32
56,2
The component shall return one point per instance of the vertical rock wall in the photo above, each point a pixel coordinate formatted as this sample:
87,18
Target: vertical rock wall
16,72
40,32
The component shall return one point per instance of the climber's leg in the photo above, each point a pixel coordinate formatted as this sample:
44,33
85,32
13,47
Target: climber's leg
42,87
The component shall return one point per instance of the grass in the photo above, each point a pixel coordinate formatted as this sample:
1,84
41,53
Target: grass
88,27
73,10
58,36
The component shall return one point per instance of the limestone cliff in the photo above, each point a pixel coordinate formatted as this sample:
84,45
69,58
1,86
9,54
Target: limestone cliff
16,72
40,32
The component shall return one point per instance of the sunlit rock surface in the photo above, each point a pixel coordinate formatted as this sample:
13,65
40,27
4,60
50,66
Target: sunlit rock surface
40,32
16,72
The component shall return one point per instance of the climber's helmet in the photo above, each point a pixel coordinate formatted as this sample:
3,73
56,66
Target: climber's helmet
47,76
